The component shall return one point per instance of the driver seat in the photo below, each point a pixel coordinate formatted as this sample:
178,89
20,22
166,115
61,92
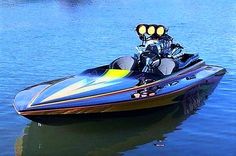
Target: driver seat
124,63
166,66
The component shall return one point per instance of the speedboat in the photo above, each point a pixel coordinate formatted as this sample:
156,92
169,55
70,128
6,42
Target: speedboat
160,73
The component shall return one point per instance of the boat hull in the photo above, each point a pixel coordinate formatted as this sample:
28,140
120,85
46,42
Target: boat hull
170,90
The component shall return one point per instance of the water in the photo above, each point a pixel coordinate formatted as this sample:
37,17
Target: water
44,40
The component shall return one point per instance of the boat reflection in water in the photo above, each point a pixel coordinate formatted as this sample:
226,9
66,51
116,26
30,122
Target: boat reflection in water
111,136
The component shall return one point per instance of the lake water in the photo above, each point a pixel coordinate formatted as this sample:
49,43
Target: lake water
42,40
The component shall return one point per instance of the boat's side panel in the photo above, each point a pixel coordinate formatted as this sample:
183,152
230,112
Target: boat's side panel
112,107
122,101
